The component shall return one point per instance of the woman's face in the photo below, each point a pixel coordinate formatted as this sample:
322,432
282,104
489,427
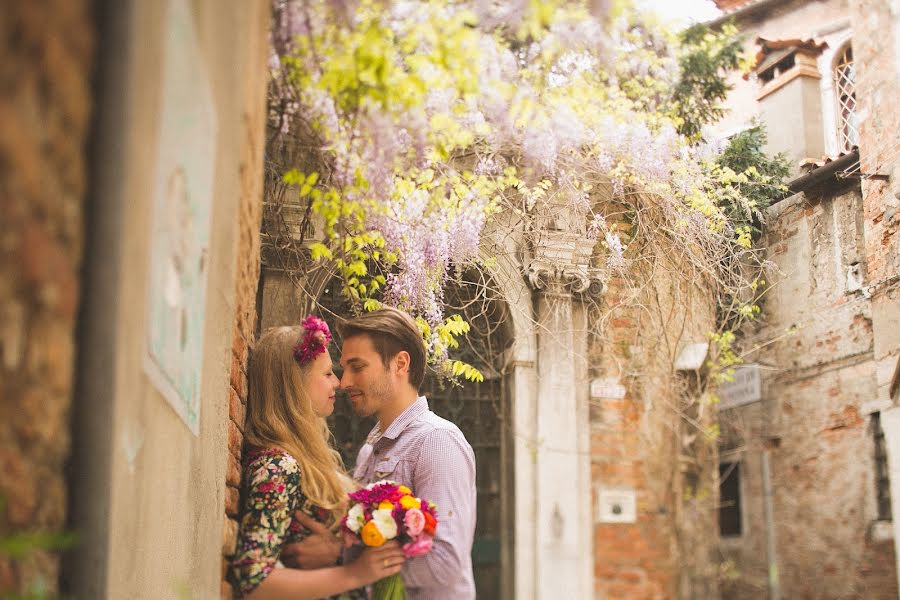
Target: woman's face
321,384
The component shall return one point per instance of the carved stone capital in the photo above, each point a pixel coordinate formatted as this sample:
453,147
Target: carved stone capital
569,279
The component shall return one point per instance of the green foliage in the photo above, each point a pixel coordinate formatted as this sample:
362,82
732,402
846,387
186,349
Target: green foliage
723,357
764,176
19,546
706,57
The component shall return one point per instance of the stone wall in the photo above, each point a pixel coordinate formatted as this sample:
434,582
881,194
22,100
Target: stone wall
148,481
47,59
818,381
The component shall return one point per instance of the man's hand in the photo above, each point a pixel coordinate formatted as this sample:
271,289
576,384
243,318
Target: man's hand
320,549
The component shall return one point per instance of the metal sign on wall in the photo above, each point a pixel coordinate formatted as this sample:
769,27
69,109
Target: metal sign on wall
744,389
182,201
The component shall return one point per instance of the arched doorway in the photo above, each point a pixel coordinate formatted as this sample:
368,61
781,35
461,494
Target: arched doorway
481,410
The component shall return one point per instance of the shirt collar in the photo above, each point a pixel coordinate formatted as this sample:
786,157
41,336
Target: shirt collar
409,415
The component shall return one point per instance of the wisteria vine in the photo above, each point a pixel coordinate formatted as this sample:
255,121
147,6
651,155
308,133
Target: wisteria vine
412,124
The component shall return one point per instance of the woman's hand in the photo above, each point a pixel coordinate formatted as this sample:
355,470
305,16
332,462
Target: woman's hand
377,563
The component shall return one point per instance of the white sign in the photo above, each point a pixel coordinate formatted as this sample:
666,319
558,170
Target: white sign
607,388
745,389
182,201
616,506
692,357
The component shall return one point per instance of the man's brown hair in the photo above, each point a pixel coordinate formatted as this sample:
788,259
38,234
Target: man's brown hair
391,331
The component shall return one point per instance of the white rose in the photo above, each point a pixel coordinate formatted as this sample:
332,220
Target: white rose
355,518
385,523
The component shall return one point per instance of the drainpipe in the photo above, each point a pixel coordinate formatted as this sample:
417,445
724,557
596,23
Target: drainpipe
774,584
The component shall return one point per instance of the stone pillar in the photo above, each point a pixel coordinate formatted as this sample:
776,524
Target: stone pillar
563,550
523,382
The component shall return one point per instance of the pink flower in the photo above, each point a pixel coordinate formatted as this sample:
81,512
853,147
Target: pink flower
417,547
414,521
316,336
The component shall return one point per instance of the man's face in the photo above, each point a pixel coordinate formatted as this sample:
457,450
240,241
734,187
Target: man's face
366,379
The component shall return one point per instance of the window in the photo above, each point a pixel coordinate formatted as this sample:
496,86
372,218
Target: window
730,499
882,480
845,90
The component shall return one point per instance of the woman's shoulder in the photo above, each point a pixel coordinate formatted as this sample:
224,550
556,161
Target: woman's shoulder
273,460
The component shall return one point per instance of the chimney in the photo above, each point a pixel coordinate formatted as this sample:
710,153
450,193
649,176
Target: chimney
790,101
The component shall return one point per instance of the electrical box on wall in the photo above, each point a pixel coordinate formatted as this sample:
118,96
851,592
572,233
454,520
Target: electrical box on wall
616,506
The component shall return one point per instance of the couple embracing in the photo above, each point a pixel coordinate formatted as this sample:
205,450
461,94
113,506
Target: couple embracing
295,489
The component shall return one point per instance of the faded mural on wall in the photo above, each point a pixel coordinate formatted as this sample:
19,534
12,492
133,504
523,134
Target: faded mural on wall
181,220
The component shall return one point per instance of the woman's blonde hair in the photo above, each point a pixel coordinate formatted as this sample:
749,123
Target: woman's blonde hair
280,415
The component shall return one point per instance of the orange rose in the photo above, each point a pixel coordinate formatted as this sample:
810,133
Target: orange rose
371,536
430,524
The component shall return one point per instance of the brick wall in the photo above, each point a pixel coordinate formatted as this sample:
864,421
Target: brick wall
817,386
45,67
245,313
630,560
876,27
877,88
638,442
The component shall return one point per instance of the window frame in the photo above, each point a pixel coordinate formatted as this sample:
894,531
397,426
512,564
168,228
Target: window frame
843,78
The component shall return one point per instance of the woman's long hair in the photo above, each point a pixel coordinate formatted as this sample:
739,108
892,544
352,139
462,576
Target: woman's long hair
280,415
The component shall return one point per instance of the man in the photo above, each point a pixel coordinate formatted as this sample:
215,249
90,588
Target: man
383,358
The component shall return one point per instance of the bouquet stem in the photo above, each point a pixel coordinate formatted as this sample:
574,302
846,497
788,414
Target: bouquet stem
389,588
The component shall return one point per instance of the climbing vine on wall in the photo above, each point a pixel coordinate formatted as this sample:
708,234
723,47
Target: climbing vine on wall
408,128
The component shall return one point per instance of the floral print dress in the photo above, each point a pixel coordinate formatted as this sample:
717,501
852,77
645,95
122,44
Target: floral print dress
271,495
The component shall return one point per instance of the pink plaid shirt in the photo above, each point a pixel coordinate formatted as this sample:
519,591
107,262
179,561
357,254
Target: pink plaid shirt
430,455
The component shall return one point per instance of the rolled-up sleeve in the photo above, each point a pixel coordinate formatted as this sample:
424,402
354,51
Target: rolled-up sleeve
445,475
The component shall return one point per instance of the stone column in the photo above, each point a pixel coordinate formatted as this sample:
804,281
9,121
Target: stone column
563,515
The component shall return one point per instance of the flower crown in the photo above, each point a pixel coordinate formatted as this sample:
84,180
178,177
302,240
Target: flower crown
316,336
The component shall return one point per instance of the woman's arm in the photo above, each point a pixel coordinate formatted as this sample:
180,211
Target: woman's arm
293,584
273,483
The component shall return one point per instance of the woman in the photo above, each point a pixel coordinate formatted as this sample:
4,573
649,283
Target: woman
290,466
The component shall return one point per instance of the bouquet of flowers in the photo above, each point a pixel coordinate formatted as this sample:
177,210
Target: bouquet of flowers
384,511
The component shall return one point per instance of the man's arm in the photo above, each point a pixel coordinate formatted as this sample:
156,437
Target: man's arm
321,548
317,550
445,475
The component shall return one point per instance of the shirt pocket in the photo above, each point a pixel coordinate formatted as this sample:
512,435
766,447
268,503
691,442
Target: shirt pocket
387,469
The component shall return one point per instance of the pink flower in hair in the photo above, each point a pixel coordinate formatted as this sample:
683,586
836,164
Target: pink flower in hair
316,336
